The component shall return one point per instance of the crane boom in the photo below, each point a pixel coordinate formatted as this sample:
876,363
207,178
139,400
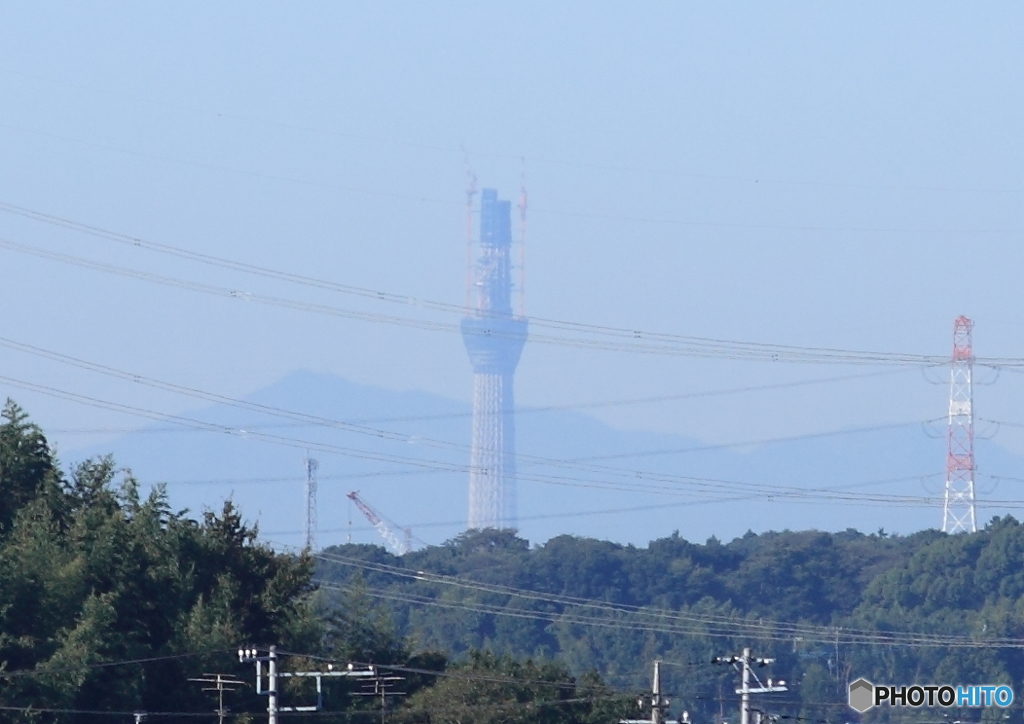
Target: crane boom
396,544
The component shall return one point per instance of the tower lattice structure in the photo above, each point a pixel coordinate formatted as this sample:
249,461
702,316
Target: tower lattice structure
311,466
958,512
494,340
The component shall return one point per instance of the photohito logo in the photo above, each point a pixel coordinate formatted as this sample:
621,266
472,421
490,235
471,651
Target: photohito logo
864,695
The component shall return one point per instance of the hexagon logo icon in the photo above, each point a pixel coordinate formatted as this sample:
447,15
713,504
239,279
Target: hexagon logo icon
862,695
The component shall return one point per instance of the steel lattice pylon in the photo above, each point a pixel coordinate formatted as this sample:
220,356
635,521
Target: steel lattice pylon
311,466
958,511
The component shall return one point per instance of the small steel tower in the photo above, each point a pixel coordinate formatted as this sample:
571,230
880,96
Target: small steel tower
494,340
311,466
958,512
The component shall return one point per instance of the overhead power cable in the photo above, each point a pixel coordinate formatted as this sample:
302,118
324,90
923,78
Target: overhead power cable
652,619
16,673
305,419
124,715
537,410
453,673
654,482
225,429
450,673
461,523
662,615
629,481
633,339
622,479
294,478
345,714
609,339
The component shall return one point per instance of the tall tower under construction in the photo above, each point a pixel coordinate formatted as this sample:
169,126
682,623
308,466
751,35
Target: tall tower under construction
958,515
494,338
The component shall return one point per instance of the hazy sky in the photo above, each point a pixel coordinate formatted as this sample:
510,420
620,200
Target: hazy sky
831,174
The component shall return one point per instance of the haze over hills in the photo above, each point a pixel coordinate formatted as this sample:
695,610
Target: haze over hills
577,474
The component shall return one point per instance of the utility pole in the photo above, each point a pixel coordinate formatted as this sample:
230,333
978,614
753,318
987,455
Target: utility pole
380,687
742,664
272,687
657,703
253,655
744,701
221,683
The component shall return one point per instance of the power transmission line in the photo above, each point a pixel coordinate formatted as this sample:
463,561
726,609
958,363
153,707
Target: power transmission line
616,472
715,346
10,674
608,339
727,628
658,506
654,619
714,485
529,410
626,483
307,419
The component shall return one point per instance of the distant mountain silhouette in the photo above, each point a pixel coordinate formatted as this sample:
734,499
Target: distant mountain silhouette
600,472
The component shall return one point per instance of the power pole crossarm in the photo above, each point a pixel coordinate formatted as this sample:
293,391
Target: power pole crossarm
220,683
253,655
744,666
657,703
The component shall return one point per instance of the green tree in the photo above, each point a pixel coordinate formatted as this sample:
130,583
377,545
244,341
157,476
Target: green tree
93,576
490,689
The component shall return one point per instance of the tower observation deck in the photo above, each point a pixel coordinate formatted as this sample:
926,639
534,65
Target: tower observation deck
494,340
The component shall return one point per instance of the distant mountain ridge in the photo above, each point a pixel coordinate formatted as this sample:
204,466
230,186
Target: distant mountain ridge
598,490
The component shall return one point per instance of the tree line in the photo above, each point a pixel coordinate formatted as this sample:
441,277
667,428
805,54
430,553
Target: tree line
829,607
110,601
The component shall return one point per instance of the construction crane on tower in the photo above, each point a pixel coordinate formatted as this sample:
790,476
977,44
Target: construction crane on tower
397,545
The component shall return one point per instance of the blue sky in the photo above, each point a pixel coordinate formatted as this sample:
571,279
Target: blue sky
843,175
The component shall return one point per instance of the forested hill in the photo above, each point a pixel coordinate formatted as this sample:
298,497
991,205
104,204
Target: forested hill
827,605
112,603
793,576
